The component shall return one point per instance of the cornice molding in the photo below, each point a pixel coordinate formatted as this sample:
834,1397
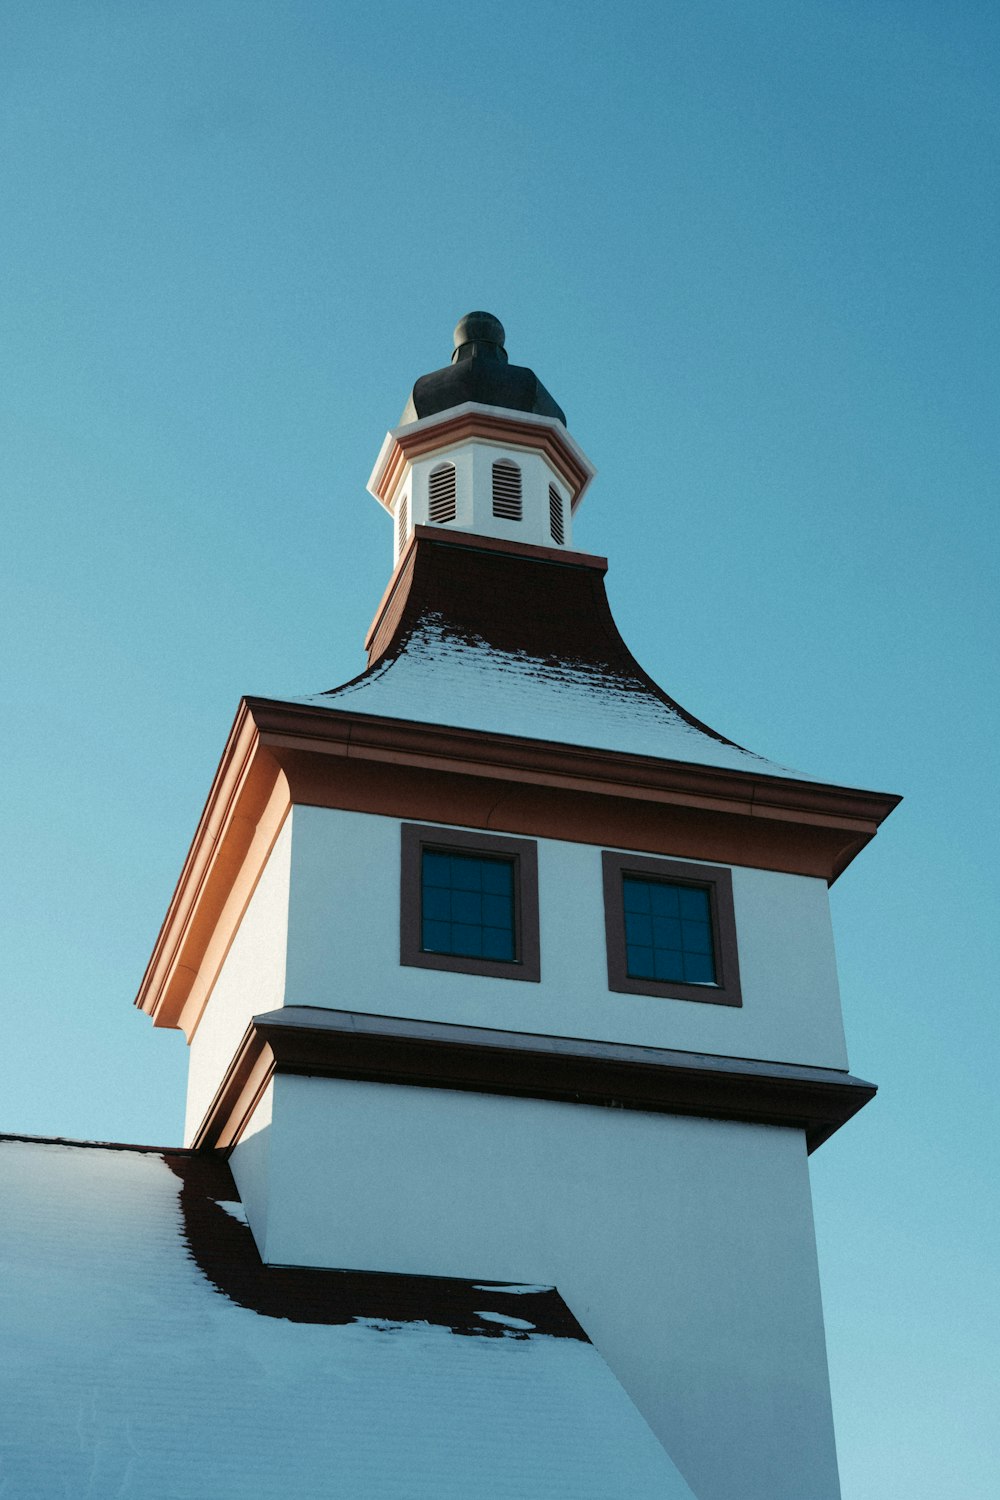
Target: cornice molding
243,815
494,424
291,726
431,1054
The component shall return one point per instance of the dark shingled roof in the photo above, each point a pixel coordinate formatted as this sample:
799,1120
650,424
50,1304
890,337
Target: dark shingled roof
528,604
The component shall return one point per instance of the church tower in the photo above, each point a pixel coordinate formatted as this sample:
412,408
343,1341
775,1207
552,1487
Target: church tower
496,963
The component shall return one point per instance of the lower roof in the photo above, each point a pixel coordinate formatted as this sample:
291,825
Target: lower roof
150,1355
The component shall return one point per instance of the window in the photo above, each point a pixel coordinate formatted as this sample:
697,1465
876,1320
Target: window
671,929
556,525
469,902
506,490
441,494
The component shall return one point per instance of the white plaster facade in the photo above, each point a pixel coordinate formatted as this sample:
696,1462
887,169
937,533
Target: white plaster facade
685,1247
473,461
322,929
343,945
251,981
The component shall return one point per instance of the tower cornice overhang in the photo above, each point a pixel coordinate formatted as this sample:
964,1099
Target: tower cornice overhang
494,424
322,1043
280,754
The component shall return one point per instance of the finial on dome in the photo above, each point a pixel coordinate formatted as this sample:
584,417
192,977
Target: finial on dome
479,334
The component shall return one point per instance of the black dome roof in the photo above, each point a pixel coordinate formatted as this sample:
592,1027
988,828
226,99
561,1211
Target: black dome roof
479,371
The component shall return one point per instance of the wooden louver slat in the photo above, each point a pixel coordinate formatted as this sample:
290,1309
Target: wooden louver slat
506,490
441,500
556,523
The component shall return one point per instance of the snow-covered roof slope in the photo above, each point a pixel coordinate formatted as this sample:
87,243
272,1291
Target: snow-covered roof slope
467,683
478,634
130,1370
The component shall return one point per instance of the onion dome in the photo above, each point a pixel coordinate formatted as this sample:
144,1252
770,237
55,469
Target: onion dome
480,372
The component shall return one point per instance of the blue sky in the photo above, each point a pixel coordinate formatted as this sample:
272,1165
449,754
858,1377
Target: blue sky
752,250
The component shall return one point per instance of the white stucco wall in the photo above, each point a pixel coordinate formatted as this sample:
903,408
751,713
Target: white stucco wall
473,462
250,1162
685,1247
343,952
252,979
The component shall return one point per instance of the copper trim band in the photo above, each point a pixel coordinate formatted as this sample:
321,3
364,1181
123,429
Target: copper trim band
549,440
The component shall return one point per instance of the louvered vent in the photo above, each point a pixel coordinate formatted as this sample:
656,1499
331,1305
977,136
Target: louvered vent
441,507
506,490
556,525
401,518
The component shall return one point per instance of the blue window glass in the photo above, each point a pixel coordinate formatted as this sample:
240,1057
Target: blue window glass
467,906
668,931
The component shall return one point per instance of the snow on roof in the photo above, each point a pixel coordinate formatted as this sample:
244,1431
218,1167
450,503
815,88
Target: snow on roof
129,1371
465,683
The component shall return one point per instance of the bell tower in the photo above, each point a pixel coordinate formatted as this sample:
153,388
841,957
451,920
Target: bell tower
496,963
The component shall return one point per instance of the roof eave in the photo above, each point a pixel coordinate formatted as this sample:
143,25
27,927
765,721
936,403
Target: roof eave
434,1054
283,724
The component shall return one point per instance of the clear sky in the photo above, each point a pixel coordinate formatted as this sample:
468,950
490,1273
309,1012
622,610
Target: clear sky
752,249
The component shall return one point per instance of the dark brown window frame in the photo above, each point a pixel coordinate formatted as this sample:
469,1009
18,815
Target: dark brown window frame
718,882
523,853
